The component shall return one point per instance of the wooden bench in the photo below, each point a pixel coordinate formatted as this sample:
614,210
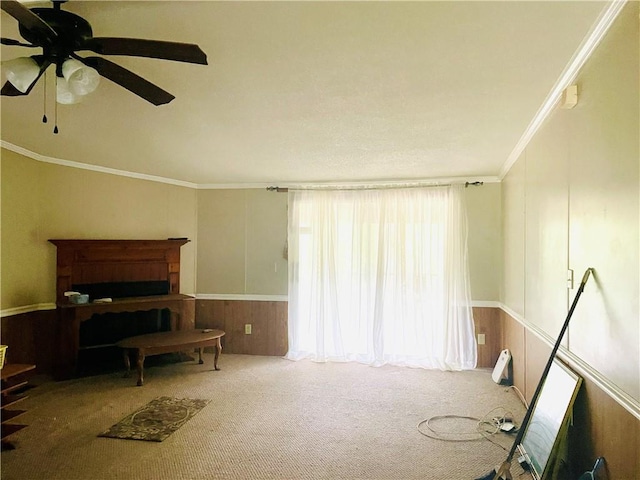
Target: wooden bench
168,342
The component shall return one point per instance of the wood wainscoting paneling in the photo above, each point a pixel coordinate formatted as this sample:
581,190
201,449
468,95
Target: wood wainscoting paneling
268,320
536,356
601,426
30,338
487,322
269,329
513,338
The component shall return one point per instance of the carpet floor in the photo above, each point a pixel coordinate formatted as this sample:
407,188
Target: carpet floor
269,418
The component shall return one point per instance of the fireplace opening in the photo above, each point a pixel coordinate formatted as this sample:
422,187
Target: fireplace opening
144,288
98,335
108,328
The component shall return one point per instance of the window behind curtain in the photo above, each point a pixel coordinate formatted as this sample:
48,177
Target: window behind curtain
380,276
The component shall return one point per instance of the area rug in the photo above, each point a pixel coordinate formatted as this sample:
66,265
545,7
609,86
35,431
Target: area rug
156,420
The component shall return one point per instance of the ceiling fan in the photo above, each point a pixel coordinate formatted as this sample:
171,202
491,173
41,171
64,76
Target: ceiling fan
61,34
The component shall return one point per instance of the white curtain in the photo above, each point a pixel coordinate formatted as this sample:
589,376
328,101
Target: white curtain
380,276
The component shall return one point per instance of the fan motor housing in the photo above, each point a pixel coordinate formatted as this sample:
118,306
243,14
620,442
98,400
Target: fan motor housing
71,29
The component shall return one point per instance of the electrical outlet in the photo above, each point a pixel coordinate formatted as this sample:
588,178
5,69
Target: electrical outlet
247,329
481,339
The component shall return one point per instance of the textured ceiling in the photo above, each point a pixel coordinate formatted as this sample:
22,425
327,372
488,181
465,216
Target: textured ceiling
312,91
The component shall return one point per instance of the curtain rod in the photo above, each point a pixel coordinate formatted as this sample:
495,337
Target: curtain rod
370,187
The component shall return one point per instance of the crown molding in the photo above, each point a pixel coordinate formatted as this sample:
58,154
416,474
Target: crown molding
234,186
586,48
94,168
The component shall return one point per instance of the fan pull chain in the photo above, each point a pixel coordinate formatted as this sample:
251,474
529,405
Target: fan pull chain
55,128
44,107
55,111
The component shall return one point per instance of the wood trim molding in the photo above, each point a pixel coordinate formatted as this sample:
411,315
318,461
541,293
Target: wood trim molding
197,186
93,168
248,297
285,298
485,304
9,312
218,296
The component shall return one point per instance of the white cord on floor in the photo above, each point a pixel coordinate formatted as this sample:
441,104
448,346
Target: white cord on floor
486,427
522,399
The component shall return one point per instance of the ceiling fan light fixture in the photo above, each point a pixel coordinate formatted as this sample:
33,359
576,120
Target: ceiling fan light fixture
64,95
80,78
21,72
61,34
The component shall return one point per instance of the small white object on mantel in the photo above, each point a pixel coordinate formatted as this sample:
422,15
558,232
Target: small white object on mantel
103,300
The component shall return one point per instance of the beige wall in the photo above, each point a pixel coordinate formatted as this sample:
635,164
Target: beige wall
571,201
242,234
546,233
42,201
241,238
513,229
484,215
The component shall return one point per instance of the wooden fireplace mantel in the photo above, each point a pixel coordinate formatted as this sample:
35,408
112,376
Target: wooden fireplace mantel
103,261
96,261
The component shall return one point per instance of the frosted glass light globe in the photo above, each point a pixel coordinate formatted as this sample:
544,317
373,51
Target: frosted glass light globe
64,95
82,79
21,72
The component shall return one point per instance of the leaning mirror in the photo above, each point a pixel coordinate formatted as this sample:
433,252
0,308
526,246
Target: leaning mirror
549,419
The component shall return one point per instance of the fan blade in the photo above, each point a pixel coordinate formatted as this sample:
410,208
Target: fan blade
29,20
129,80
11,41
135,47
10,91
